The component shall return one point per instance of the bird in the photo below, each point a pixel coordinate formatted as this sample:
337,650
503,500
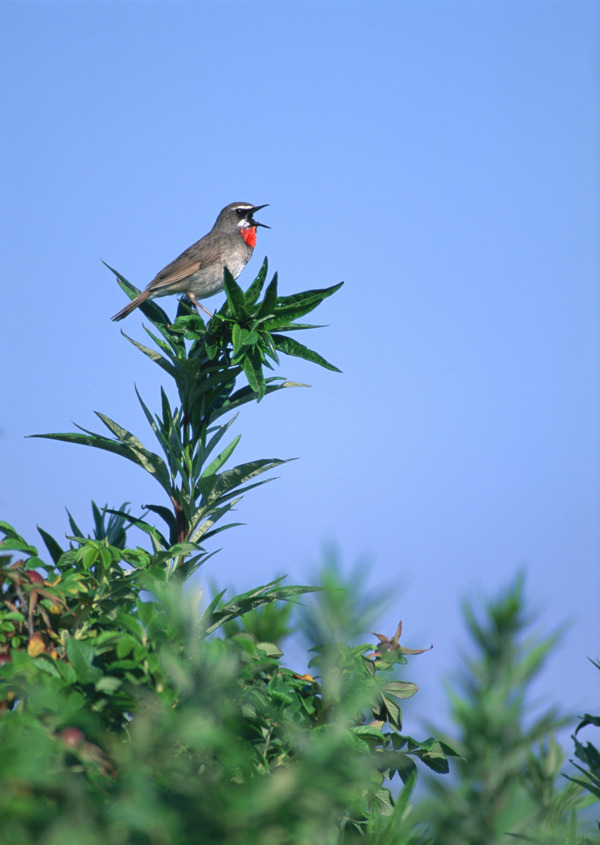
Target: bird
198,272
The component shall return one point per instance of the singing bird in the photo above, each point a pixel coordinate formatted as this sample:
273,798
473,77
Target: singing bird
198,272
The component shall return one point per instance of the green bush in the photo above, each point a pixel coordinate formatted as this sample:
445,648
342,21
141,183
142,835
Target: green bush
509,785
133,711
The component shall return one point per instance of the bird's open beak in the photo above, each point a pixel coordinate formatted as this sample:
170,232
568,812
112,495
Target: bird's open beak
255,222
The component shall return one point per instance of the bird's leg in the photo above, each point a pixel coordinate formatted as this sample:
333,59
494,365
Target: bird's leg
197,304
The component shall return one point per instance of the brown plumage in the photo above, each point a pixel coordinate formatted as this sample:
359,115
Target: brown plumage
198,272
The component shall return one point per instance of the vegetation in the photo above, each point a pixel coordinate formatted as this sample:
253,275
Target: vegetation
508,783
136,712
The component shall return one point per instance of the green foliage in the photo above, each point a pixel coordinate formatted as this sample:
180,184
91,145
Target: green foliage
122,714
509,782
588,755
134,713
205,363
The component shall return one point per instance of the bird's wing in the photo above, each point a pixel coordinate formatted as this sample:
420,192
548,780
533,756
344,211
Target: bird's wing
188,262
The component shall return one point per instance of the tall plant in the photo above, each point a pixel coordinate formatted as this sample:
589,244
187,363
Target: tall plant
206,363
128,713
509,782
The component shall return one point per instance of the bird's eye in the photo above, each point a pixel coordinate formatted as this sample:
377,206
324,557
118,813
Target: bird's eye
241,212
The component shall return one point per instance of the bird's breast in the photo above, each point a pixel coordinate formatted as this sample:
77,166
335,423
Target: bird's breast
209,280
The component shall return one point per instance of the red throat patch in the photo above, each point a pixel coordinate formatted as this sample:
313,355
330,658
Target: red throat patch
249,235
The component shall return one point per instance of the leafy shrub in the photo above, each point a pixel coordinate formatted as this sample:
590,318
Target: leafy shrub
132,711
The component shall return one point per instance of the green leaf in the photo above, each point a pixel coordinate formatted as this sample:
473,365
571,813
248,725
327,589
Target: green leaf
308,296
253,373
401,689
10,532
147,460
125,645
203,531
437,762
164,513
67,671
190,325
215,488
222,458
45,664
256,287
150,461
389,711
88,556
171,445
203,377
297,305
81,655
204,451
74,527
406,768
236,338
148,308
586,720
153,355
18,546
166,347
247,394
235,296
268,304
108,684
296,327
213,618
249,337
158,539
289,346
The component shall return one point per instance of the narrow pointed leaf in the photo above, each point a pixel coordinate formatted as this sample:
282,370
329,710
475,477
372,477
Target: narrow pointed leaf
150,461
190,565
291,307
251,374
147,460
153,355
296,327
51,544
247,394
164,513
270,301
170,445
222,458
214,487
256,287
160,541
202,531
203,381
238,491
204,452
289,346
9,531
236,338
235,295
218,530
254,598
95,440
149,417
306,297
148,308
165,345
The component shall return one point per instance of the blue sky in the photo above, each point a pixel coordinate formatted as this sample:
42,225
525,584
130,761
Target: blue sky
439,157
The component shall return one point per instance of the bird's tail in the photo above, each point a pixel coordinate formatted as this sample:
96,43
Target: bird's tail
131,306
